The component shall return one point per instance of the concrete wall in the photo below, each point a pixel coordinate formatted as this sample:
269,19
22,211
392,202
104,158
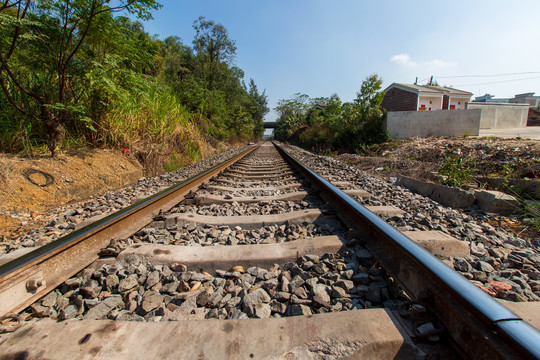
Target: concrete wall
501,116
406,124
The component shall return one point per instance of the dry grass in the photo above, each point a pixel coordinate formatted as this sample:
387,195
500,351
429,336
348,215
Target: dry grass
6,172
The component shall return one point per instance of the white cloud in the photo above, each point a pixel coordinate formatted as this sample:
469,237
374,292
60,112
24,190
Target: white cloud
405,59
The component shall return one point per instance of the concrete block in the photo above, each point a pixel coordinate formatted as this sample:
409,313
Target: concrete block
357,192
439,243
267,188
385,210
5,258
531,187
212,258
246,221
496,201
453,197
341,183
528,311
249,183
355,334
207,199
445,195
420,187
282,177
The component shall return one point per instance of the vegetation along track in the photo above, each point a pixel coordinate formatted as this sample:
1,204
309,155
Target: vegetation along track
317,274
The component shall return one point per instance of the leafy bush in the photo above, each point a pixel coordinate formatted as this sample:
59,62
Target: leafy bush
105,81
455,170
329,123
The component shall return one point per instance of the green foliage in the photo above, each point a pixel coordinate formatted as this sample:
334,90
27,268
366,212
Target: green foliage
456,170
329,123
104,80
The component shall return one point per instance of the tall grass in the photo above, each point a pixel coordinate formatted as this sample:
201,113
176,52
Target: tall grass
130,112
152,123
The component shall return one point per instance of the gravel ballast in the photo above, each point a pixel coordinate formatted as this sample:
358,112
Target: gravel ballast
497,256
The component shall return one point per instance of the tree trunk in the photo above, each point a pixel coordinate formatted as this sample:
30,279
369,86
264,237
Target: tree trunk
54,129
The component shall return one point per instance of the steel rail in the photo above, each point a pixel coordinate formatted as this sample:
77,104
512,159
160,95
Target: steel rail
31,276
480,325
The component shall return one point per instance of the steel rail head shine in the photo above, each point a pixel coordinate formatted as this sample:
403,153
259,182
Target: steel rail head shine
487,313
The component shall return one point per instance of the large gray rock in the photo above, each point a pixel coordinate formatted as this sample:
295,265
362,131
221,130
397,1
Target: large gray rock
361,278
101,310
260,311
152,279
298,310
128,283
346,285
151,301
111,281
203,297
321,297
69,312
374,294
256,297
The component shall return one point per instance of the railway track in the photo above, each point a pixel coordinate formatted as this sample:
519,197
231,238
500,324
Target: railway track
258,257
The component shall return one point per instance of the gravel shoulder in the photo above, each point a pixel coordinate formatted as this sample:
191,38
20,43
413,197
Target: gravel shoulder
503,263
421,158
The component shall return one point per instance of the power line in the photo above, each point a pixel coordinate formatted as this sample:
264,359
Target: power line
497,82
495,75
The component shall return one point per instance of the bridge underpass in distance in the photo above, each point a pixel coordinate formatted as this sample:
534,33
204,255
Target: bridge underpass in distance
269,127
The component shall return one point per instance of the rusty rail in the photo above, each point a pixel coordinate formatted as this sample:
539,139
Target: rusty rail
31,276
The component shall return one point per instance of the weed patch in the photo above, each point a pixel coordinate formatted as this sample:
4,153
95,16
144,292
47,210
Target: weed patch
455,170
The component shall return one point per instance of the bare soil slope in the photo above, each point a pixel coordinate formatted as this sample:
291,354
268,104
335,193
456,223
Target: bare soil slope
419,156
30,186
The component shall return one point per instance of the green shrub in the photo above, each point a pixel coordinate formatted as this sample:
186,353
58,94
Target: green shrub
455,170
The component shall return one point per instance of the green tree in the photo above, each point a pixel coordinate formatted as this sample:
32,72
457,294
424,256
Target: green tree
213,47
258,108
364,118
44,87
323,123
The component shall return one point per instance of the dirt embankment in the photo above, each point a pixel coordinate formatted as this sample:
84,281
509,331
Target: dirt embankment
30,186
40,183
419,157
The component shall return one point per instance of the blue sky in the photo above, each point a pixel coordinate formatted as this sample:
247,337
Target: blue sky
320,47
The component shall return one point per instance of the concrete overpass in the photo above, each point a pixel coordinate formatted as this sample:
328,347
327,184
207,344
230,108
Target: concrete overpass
270,124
